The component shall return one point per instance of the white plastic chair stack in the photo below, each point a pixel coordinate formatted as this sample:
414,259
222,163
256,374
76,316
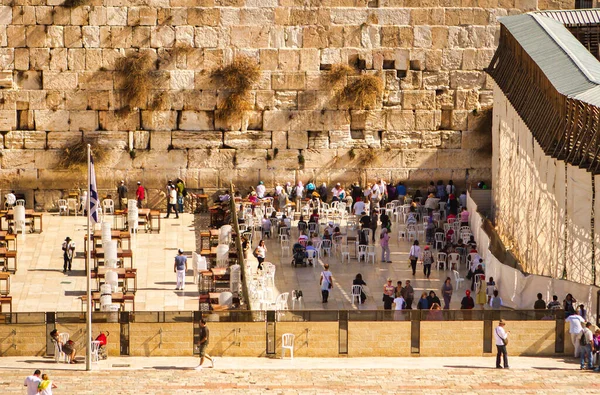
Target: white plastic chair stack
106,232
132,218
225,299
235,279
19,216
112,279
225,234
110,254
223,255
105,297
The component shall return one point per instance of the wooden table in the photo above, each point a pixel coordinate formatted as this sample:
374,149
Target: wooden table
7,254
154,216
121,253
7,238
5,291
117,235
122,274
29,214
117,297
6,299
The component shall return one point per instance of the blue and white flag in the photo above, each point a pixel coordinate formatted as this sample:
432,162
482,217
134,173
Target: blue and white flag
93,192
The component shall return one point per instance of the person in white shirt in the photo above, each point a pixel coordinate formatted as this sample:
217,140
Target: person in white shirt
32,382
260,190
11,199
172,200
575,329
266,227
359,207
501,336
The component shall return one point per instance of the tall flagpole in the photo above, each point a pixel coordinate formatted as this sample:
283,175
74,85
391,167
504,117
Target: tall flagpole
88,318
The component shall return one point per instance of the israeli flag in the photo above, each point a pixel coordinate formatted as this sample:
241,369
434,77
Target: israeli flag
93,192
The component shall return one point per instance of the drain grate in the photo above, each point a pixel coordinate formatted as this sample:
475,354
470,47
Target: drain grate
65,282
121,365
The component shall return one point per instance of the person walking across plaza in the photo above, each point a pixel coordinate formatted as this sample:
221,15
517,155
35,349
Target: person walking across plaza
122,193
181,194
32,382
172,199
427,262
587,346
501,337
140,194
326,282
180,267
575,330
413,256
203,345
68,247
447,292
388,294
384,240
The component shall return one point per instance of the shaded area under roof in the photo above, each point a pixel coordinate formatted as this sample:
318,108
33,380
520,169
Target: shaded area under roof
569,66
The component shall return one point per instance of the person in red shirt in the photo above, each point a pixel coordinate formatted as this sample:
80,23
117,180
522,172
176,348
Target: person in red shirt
140,194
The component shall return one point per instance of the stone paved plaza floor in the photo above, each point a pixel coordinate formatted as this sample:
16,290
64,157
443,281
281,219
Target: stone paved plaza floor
40,285
307,376
288,277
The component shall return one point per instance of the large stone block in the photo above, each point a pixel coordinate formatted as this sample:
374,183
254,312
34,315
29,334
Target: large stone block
83,120
196,120
418,100
288,81
196,139
401,139
8,120
423,159
247,139
211,158
52,120
297,139
109,120
401,120
251,158
60,140
161,159
159,120
454,159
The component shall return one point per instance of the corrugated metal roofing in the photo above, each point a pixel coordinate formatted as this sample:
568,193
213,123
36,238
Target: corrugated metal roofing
574,17
569,66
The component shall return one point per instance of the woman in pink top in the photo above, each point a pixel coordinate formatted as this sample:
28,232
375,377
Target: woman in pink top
464,217
384,239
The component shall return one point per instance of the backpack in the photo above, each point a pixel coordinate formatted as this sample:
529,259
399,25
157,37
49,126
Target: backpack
184,193
583,340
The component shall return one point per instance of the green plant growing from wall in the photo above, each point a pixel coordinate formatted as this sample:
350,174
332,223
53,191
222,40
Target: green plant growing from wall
238,78
75,3
352,153
275,152
363,92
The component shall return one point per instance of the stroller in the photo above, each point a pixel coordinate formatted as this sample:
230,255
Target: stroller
299,254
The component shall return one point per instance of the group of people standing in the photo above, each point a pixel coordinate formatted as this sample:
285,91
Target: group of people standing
140,194
176,194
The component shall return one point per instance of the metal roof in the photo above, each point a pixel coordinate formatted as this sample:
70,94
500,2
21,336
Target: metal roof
569,66
573,17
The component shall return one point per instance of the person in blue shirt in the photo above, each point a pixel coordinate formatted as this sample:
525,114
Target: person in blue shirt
401,189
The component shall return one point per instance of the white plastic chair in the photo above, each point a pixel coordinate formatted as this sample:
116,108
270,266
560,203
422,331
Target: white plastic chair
439,240
362,252
368,234
356,291
441,259
281,302
20,202
411,232
297,297
326,247
311,256
454,261
58,352
287,343
457,279
108,205
225,299
345,252
95,351
371,253
269,270
62,207
112,279
283,233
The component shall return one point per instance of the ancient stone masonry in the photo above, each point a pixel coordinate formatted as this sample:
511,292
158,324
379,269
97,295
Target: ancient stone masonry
61,84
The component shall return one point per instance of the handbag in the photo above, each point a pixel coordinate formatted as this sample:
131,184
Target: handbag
504,341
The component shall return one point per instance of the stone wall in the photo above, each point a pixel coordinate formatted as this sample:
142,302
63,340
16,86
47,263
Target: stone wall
59,87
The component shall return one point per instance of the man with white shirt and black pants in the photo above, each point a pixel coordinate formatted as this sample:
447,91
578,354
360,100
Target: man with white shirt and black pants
575,330
501,337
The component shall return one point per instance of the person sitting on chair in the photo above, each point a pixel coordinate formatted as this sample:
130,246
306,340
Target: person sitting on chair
68,347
